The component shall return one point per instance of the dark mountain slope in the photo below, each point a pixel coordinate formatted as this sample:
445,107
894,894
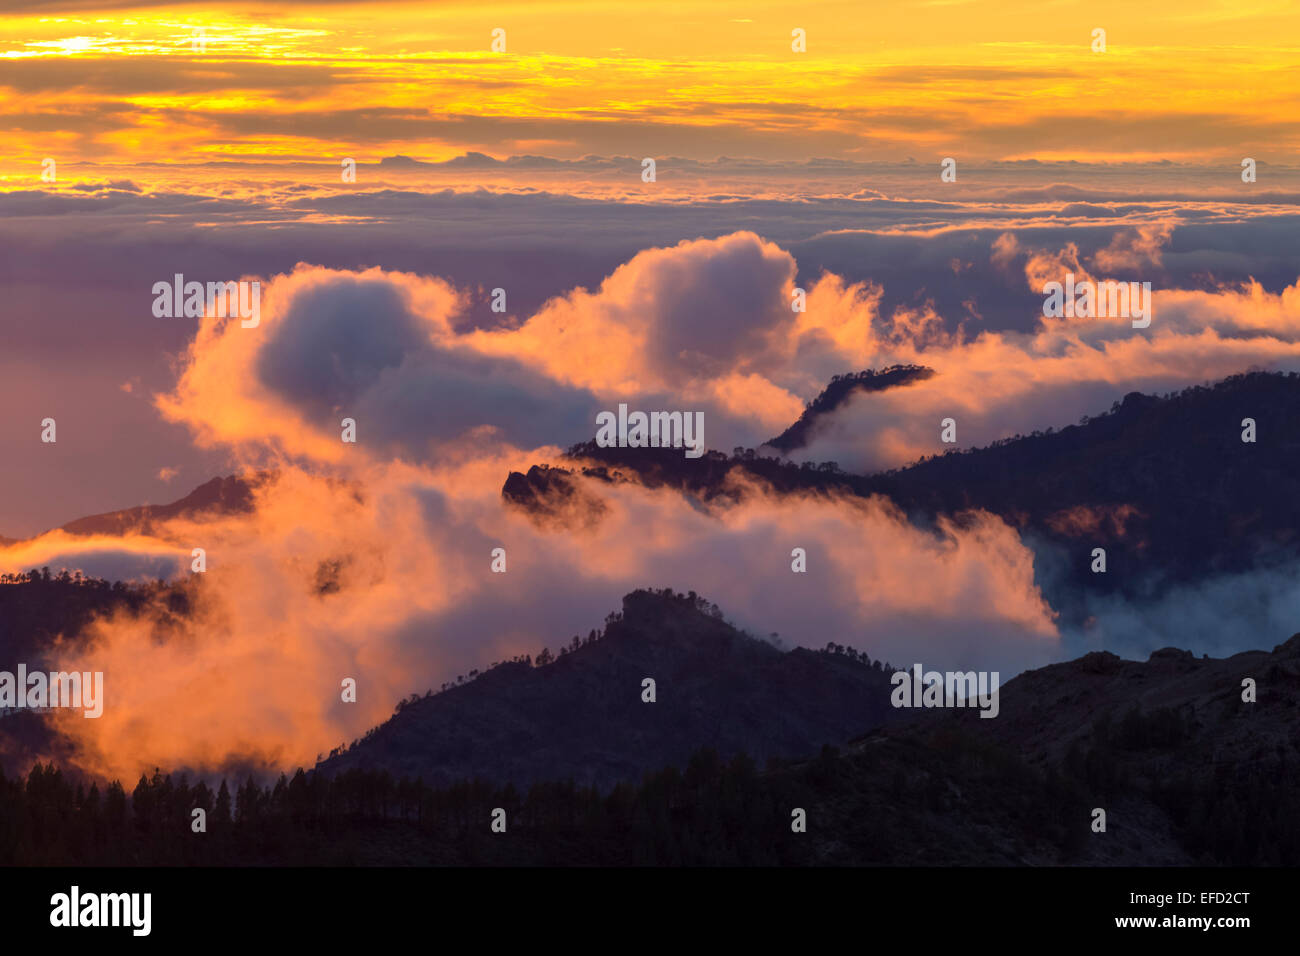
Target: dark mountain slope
1165,485
36,610
1186,771
1169,478
839,391
231,494
582,716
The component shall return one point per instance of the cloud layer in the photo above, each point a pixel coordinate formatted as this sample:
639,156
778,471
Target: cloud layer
372,560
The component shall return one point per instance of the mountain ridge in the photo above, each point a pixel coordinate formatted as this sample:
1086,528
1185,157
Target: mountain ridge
1164,484
583,716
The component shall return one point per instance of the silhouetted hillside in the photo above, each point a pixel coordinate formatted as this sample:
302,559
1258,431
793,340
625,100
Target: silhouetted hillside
36,609
229,495
1164,484
582,717
551,497
232,494
1185,770
839,391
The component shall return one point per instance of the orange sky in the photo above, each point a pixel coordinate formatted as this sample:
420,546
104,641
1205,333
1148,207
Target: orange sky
1183,80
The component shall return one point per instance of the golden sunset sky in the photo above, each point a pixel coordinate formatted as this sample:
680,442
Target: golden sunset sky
1180,80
